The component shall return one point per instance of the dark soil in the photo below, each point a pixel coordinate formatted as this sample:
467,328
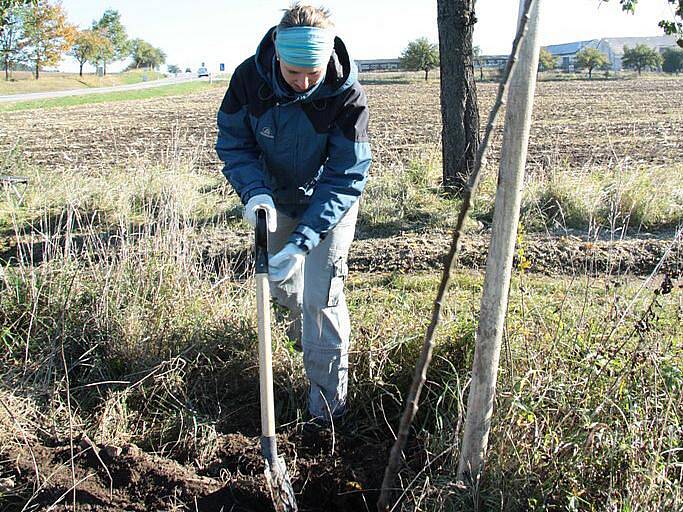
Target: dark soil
547,254
329,473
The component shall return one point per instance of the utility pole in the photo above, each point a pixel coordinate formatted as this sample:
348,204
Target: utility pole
499,262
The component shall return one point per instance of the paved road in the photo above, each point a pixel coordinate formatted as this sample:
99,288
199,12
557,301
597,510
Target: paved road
97,90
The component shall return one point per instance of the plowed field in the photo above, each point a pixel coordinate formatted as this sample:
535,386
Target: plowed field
576,122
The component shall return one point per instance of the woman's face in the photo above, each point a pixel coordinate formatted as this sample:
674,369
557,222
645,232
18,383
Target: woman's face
301,79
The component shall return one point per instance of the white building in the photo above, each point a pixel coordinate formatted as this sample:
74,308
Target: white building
613,47
378,65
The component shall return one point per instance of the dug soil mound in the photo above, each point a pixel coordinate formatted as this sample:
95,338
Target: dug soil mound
545,254
554,255
333,473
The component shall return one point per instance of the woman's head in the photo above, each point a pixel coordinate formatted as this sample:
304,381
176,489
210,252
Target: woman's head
299,15
304,41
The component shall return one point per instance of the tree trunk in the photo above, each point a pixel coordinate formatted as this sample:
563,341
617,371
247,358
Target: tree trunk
6,68
80,72
426,74
37,68
459,110
104,65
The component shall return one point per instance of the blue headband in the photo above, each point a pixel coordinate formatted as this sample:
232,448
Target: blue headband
305,47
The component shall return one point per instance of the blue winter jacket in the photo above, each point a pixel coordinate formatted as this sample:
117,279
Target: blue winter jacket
309,151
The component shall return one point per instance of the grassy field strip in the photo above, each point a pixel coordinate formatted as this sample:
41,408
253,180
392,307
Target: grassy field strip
142,94
624,194
23,82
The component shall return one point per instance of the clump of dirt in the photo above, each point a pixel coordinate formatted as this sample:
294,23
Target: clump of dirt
545,254
329,472
102,478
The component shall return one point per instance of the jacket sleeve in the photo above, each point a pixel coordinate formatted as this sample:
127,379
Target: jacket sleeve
344,175
236,145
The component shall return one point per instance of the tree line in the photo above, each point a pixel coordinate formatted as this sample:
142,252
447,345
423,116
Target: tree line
640,58
421,55
37,33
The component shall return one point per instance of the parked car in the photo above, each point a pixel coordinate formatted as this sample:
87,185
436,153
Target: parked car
202,72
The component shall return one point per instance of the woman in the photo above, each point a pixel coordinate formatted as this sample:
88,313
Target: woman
292,132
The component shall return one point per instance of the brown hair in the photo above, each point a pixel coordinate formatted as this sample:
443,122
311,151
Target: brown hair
299,15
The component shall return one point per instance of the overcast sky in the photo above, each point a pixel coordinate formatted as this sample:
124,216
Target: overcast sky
215,31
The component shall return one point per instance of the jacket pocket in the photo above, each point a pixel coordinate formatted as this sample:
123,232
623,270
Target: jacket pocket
340,271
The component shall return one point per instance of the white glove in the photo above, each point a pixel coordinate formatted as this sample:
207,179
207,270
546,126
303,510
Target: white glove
284,264
265,202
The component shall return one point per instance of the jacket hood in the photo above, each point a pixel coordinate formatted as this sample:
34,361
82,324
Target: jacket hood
340,75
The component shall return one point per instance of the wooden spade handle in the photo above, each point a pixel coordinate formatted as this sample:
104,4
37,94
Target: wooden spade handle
264,335
265,356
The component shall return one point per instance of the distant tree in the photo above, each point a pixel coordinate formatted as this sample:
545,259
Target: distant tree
546,61
88,46
641,57
606,68
110,27
672,61
590,58
6,7
420,55
48,34
672,26
173,69
160,58
105,52
145,55
11,32
12,40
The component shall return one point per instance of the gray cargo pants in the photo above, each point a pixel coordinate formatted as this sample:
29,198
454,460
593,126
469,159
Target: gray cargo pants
315,299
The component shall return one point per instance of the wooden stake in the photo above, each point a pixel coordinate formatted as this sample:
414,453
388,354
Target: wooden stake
499,262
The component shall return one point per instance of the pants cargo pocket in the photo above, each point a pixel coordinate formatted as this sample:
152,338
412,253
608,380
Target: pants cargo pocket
339,272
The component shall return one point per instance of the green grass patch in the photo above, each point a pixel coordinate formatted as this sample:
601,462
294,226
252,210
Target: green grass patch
407,198
135,76
588,408
142,94
624,197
